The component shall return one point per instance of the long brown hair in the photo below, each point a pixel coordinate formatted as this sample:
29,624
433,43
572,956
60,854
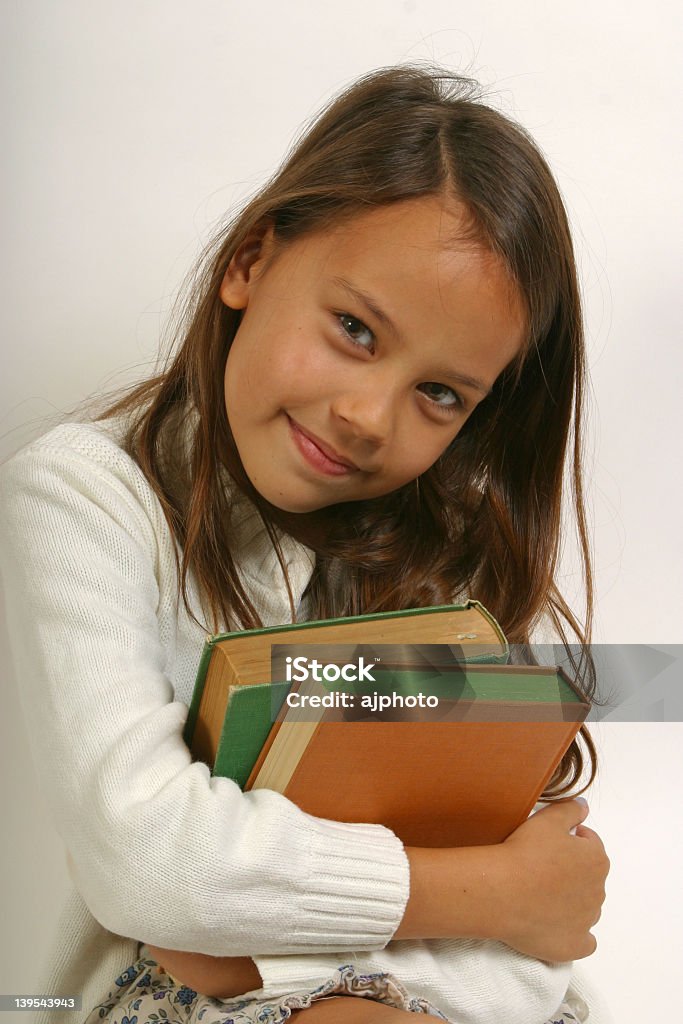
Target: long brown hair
485,519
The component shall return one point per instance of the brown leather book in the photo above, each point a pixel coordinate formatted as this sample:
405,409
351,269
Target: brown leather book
464,773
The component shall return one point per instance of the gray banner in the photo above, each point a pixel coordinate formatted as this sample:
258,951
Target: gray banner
633,682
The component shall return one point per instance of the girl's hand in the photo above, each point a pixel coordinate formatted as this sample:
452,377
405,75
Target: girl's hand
552,884
540,891
220,976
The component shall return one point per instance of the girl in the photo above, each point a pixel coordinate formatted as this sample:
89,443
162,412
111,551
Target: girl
379,381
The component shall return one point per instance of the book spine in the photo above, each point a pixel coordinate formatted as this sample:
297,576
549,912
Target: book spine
202,669
313,624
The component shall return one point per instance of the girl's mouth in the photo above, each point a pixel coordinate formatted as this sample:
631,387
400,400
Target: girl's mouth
318,454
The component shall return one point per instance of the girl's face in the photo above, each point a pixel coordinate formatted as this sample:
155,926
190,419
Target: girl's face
362,350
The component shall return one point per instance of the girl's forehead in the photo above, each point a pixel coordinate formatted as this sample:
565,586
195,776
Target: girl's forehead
426,250
430,238
429,224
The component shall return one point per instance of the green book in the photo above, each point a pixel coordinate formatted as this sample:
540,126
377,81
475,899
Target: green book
236,699
248,720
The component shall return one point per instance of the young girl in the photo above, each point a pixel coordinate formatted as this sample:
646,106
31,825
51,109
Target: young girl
379,381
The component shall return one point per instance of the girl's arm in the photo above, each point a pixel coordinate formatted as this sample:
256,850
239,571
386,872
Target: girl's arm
106,657
541,891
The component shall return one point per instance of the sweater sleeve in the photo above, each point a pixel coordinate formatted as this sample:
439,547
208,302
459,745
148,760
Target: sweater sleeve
159,850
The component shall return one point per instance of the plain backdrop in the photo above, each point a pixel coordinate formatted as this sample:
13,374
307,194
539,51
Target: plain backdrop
130,130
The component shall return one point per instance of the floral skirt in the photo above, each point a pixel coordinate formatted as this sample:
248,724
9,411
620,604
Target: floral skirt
146,994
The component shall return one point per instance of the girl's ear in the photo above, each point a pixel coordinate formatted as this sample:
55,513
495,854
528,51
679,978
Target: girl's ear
246,265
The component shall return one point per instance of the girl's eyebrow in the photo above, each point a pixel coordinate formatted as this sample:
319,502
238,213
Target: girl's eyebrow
366,300
465,380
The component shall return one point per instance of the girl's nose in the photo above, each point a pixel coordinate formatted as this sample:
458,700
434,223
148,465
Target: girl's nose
367,414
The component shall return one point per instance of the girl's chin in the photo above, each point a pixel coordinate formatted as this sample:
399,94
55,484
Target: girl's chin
289,503
297,507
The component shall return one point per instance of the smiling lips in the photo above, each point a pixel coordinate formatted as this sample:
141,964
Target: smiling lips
318,454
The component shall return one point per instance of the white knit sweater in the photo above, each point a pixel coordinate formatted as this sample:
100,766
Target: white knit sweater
158,850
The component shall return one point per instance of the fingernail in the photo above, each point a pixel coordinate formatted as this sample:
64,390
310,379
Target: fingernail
581,800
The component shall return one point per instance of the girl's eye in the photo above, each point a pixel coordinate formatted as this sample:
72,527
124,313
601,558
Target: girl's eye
356,331
441,395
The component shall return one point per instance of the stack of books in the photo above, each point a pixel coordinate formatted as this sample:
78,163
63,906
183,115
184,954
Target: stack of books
415,720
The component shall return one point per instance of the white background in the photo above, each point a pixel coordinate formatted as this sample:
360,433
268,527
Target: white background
130,129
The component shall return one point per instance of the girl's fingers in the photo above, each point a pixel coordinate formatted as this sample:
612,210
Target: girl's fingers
571,812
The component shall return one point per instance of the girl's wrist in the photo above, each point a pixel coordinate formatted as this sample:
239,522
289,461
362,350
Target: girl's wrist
456,893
